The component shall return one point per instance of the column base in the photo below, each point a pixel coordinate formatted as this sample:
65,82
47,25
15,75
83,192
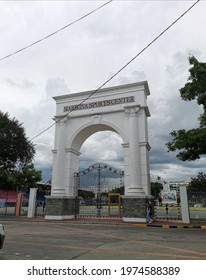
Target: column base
135,191
61,208
134,208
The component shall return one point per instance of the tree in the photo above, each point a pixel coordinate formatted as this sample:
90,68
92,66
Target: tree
15,149
156,189
118,190
7,180
14,145
27,177
198,184
191,143
86,194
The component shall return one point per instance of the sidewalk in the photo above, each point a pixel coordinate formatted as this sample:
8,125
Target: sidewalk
164,223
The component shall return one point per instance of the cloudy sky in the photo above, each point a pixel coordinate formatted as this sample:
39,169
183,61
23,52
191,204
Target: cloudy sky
86,54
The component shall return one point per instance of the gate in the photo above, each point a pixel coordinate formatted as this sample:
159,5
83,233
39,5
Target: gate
99,189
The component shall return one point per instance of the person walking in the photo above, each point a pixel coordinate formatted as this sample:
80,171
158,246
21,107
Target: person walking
166,209
149,213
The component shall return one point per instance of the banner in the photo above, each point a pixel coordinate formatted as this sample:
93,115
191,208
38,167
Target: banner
169,197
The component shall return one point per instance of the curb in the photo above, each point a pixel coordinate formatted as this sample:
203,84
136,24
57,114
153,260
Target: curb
171,226
158,224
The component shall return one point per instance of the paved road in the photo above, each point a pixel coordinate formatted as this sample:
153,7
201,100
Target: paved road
71,240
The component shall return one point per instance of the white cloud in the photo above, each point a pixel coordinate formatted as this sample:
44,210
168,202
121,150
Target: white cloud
104,147
85,55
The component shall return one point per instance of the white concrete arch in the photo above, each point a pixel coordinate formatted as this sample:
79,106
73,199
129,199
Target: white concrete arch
121,109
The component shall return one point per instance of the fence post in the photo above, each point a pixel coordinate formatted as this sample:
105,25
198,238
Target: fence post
184,205
18,204
32,203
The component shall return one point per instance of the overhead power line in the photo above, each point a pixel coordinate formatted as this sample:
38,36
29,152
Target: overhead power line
114,75
55,32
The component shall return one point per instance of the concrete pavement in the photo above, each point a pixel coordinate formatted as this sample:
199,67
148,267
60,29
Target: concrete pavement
100,239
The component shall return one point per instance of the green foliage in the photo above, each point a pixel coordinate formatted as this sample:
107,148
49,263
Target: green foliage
27,177
21,180
156,189
86,194
198,184
195,89
15,150
14,146
7,180
191,143
118,190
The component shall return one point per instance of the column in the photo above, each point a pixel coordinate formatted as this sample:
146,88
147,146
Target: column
126,167
72,166
58,187
134,153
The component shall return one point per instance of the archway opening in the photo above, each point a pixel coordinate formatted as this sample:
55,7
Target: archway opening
102,146
101,174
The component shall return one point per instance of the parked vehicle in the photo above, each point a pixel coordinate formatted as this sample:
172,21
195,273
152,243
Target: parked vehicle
2,236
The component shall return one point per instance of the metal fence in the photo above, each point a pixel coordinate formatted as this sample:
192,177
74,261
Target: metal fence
196,204
16,204
197,199
9,206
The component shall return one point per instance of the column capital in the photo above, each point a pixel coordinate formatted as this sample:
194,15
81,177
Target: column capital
73,151
61,120
125,145
132,110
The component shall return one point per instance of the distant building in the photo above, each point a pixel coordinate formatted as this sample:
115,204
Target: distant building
175,185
